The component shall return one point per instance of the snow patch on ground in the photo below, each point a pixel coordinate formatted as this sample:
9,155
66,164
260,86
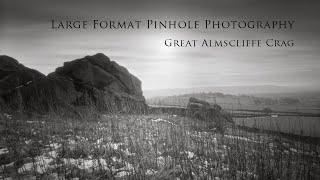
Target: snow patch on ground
150,172
115,146
41,165
4,151
190,154
163,120
241,138
8,116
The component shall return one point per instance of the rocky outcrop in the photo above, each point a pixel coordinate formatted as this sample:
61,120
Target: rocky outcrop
14,75
101,82
93,81
203,110
17,83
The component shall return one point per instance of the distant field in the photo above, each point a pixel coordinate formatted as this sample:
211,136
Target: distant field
156,146
303,126
306,104
296,115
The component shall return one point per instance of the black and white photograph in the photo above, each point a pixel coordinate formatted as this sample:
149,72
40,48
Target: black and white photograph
159,90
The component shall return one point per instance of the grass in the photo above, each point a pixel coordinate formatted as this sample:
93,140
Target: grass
155,146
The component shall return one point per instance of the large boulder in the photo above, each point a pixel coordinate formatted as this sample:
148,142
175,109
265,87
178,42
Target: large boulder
101,82
202,110
93,81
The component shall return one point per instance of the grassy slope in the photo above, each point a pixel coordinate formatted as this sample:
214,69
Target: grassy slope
148,147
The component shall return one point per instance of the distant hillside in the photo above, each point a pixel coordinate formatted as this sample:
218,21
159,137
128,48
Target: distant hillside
228,101
235,90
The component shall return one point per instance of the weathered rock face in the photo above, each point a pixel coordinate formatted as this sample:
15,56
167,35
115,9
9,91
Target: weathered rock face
93,81
102,83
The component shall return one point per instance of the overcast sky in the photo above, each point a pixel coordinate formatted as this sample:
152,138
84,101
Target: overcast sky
26,34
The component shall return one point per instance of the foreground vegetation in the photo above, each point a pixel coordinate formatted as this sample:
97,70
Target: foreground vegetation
147,147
